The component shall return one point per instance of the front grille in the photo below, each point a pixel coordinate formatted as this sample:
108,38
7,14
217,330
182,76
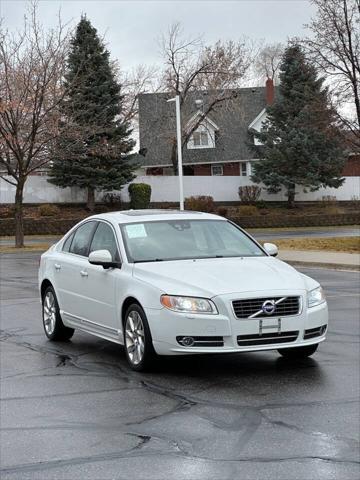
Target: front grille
267,338
284,306
314,332
201,341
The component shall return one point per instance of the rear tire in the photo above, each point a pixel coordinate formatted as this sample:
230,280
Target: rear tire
54,328
298,352
139,349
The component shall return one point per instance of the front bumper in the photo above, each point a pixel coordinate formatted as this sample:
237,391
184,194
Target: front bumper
167,327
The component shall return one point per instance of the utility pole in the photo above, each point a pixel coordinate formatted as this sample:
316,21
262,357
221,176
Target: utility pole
179,150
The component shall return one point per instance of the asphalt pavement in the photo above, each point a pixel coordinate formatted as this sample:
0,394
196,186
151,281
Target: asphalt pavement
75,411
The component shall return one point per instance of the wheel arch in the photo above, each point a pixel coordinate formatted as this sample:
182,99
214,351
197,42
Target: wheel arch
126,304
44,285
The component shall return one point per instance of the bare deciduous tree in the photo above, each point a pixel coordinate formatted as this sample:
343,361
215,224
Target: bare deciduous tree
334,44
31,72
268,61
141,79
190,66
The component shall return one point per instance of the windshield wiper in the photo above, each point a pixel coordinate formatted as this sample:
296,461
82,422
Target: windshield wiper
147,261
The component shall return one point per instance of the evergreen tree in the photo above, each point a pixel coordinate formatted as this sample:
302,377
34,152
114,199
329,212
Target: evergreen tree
91,151
301,143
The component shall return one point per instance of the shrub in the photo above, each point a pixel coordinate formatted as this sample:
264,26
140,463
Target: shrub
355,202
201,203
48,210
261,204
140,195
112,199
328,200
249,194
333,210
330,205
248,210
222,211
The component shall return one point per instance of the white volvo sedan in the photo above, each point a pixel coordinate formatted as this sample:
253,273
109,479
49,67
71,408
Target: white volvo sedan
166,282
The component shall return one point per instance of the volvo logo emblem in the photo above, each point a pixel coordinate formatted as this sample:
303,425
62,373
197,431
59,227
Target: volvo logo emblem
268,307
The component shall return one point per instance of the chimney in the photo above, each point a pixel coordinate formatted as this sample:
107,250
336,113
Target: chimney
269,91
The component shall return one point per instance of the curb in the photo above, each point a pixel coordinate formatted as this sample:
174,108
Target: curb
332,266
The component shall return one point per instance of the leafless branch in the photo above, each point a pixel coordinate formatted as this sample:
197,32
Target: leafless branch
32,64
334,44
190,66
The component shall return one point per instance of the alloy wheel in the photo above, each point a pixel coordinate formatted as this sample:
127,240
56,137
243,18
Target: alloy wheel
135,337
49,312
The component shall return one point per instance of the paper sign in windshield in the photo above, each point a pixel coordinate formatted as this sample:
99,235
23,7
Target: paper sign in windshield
136,231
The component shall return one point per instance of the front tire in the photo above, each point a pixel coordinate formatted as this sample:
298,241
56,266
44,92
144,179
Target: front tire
54,328
139,349
298,353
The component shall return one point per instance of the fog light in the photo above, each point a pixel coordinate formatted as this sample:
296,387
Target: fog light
187,341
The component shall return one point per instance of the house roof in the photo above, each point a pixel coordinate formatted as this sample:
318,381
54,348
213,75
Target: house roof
232,118
259,117
207,120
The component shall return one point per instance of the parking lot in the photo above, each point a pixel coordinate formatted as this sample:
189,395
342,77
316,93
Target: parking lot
75,411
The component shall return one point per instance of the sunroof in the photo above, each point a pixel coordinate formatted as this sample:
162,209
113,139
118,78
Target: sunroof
138,213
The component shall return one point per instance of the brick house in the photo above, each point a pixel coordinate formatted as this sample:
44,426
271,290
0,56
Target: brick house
220,144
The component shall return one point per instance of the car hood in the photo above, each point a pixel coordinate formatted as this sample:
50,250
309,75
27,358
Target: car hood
219,276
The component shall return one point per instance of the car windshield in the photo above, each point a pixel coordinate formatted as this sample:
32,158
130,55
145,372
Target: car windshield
186,239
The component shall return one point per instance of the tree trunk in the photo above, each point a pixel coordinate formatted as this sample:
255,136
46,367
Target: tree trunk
19,214
291,196
91,199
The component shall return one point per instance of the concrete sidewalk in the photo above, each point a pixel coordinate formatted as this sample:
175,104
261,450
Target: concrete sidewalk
349,261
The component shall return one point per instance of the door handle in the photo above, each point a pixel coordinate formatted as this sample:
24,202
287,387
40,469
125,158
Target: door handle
57,266
84,273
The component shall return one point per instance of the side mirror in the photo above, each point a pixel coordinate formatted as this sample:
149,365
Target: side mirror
103,258
271,249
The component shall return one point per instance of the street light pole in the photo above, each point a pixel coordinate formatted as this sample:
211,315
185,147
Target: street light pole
179,150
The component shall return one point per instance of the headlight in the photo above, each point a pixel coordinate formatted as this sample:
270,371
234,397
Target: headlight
315,297
188,304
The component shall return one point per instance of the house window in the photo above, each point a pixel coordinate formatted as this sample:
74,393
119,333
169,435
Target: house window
243,169
201,139
217,170
251,168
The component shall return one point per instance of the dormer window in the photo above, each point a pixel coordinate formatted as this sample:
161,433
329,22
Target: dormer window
204,134
201,139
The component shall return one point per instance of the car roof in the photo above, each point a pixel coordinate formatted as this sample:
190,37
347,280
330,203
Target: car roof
136,216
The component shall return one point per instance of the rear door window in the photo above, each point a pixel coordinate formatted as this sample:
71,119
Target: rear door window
67,243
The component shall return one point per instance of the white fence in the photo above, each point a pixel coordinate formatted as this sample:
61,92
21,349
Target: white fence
166,189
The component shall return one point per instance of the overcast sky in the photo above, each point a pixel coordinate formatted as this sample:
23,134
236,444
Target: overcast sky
132,28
